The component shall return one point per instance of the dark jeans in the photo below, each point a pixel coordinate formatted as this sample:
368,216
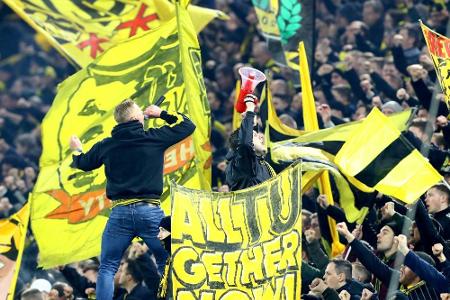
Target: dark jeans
125,223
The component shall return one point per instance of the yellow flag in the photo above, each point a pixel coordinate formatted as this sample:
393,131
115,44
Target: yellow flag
439,49
69,206
311,124
240,245
385,161
13,231
82,30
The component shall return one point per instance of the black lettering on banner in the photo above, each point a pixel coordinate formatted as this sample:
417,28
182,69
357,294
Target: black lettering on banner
91,134
279,202
91,108
214,266
188,269
82,178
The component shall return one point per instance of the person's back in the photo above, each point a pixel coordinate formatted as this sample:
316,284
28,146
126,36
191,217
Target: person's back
133,160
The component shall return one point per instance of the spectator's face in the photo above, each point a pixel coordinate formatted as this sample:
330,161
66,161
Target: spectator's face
279,103
407,276
68,292
385,239
124,276
315,226
370,17
53,295
259,143
337,79
10,182
163,233
435,201
331,278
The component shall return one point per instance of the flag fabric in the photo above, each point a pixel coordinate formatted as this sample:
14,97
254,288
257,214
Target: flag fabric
240,245
70,208
82,30
323,145
438,47
13,231
385,161
284,23
312,124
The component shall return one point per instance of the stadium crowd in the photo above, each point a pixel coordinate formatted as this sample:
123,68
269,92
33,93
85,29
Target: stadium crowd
368,53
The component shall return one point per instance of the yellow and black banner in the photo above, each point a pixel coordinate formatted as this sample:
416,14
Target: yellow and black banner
13,231
70,207
439,49
82,30
240,245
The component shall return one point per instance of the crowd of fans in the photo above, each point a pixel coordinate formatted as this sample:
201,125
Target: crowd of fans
368,54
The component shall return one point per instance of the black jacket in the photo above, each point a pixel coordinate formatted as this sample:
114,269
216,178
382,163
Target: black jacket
134,158
139,292
245,168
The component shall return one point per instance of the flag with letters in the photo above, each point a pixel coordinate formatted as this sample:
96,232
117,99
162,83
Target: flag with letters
439,49
70,208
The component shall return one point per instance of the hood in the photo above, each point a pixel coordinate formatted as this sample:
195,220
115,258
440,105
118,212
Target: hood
128,131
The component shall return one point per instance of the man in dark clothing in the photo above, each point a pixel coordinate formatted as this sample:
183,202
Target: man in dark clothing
133,160
338,276
412,285
437,201
131,279
246,165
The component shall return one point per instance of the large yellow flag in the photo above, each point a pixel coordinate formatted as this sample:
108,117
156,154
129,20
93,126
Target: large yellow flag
385,161
69,206
13,231
82,30
240,245
439,49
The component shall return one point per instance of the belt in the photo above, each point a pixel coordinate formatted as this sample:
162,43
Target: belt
136,202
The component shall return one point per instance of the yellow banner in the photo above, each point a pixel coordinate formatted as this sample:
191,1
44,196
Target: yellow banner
13,231
70,208
439,49
240,245
82,30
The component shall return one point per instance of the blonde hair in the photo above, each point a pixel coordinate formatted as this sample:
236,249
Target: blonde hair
122,111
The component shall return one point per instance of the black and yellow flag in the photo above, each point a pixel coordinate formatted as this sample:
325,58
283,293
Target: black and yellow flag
13,231
69,206
82,30
385,161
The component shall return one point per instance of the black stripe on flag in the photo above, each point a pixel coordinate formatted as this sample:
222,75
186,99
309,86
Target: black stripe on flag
384,162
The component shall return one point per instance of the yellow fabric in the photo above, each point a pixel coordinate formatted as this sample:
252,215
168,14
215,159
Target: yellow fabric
311,124
240,245
82,30
440,55
237,118
407,180
13,231
69,203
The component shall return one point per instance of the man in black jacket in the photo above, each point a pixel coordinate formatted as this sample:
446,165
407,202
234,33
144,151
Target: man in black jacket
133,160
246,165
131,279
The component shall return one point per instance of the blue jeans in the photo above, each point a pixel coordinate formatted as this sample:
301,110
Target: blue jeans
125,223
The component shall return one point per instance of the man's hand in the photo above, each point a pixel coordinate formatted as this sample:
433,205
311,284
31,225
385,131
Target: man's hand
75,143
366,294
344,295
415,71
249,101
397,40
387,211
310,236
325,112
153,111
318,286
342,229
402,243
438,251
322,201
402,94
